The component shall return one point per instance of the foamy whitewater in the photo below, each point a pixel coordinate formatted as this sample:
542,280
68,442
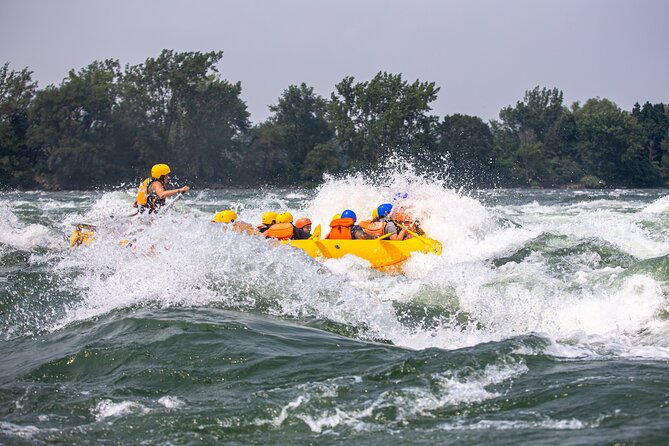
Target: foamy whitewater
544,320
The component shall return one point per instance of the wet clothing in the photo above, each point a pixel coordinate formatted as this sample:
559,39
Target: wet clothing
281,231
340,229
374,228
300,234
358,233
346,229
391,228
153,202
286,231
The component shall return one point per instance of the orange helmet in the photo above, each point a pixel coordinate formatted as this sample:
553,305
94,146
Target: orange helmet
302,222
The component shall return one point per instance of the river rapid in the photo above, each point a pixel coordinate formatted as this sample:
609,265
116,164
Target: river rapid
544,321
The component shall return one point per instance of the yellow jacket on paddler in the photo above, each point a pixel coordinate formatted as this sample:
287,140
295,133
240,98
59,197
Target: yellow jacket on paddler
142,198
144,191
146,197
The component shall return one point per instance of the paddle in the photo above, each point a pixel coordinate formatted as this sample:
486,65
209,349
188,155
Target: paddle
433,244
164,208
316,234
171,203
385,236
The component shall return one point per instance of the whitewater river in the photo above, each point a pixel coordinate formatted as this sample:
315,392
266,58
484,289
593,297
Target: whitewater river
545,321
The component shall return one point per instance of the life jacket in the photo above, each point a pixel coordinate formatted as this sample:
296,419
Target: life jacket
341,229
146,196
281,231
374,228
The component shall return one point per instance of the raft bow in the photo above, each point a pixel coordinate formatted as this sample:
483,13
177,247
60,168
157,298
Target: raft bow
380,253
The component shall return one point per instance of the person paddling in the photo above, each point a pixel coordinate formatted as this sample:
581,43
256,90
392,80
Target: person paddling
344,228
229,217
151,193
284,229
389,226
268,219
373,227
304,224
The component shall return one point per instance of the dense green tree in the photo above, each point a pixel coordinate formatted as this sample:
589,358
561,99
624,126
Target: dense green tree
654,121
267,158
522,133
103,125
74,125
560,144
302,116
537,112
467,143
611,145
385,114
177,109
323,158
664,162
17,159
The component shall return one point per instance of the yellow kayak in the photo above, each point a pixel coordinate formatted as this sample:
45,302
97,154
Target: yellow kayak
379,253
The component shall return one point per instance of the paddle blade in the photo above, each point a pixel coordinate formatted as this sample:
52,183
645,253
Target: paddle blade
316,235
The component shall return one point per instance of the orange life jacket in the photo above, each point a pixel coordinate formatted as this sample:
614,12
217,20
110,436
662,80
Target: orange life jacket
281,231
341,229
374,228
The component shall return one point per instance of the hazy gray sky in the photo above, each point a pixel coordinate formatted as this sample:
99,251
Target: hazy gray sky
483,54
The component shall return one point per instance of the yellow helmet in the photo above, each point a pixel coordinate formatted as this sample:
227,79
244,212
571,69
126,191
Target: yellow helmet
226,216
284,217
336,216
269,218
158,170
375,214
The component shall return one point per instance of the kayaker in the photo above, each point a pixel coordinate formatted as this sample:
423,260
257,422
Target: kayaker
229,217
284,229
304,224
389,226
268,219
151,193
344,228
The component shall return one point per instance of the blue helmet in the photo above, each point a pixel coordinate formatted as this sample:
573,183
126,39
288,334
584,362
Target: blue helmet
384,209
349,214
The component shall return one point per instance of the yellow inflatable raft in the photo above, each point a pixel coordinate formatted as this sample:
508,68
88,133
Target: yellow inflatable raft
380,253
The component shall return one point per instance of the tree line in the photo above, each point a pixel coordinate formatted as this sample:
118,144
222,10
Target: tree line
106,124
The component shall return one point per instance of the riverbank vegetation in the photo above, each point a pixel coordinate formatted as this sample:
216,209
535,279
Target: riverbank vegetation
106,124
